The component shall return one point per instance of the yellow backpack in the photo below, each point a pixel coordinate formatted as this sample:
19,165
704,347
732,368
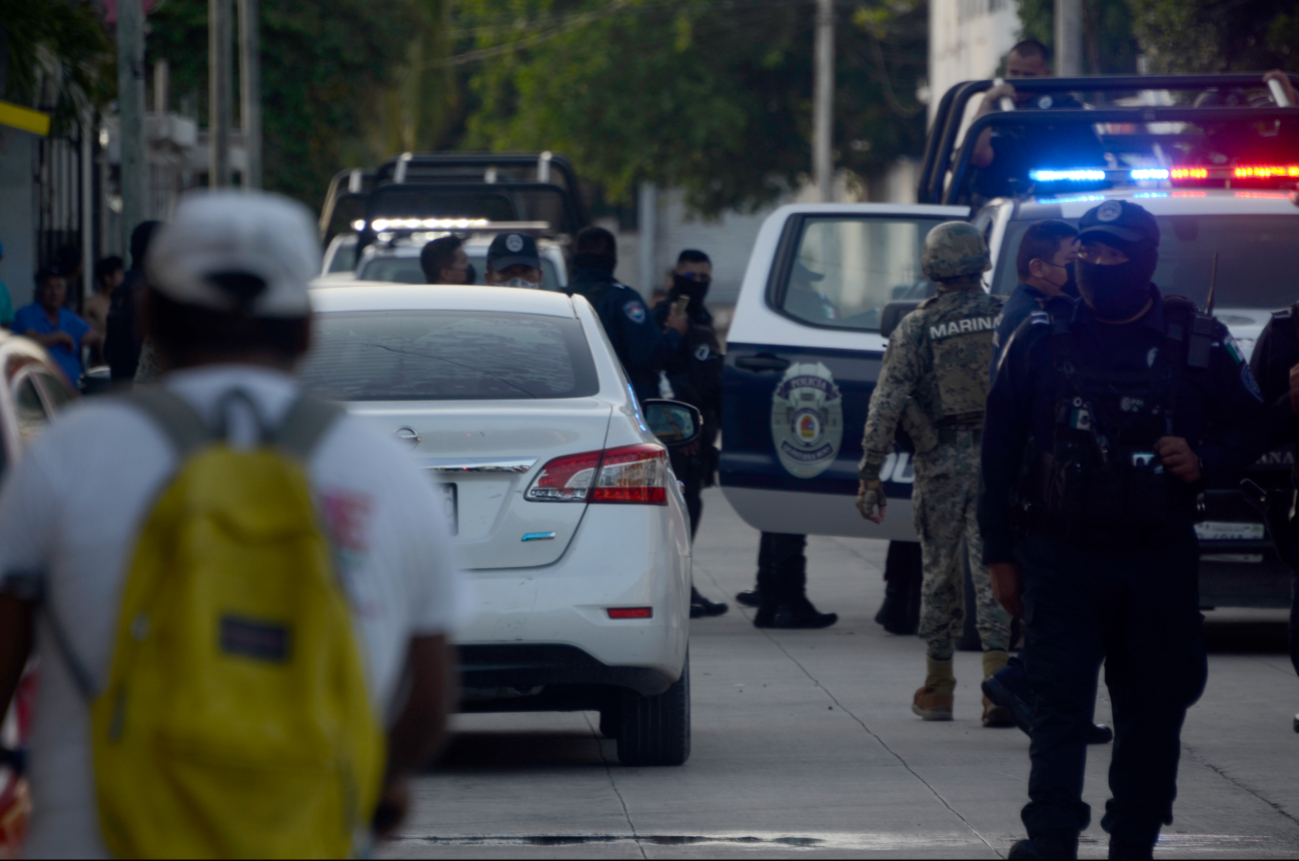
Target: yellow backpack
235,722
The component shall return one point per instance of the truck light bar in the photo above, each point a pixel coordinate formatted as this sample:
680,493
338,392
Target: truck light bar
1266,171
1181,174
1072,175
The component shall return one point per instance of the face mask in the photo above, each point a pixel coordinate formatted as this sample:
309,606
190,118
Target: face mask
1070,285
1114,292
521,282
471,274
695,288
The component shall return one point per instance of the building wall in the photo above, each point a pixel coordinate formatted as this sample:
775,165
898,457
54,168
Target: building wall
967,39
17,212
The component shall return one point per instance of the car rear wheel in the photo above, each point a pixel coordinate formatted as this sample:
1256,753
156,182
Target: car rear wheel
656,730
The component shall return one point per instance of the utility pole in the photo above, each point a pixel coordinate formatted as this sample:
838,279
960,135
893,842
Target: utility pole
220,97
823,102
130,102
1068,38
250,90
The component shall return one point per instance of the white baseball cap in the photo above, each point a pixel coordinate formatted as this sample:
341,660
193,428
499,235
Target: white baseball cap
244,233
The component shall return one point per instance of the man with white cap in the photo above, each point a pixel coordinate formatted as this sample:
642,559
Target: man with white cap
229,313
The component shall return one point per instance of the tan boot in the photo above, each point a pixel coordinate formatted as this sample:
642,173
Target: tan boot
995,715
934,700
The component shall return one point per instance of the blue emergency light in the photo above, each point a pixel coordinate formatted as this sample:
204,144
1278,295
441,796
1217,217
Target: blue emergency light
1082,174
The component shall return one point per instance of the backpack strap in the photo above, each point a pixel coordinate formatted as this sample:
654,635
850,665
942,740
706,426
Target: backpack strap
304,425
173,415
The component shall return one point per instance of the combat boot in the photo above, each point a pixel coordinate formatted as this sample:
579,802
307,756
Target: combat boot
994,714
934,700
1048,844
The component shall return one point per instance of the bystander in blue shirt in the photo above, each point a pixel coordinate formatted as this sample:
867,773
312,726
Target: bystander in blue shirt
33,318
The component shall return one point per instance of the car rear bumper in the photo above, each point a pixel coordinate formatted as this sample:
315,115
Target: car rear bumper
523,667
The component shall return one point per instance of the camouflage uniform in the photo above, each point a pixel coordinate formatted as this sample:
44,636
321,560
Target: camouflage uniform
934,381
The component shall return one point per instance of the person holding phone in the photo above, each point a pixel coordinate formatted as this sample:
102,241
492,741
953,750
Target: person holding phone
694,373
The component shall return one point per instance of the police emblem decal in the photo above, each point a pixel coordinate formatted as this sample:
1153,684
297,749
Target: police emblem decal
514,243
1045,102
807,420
635,312
1110,210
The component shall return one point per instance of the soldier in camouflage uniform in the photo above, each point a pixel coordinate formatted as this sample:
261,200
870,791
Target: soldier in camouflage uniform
934,382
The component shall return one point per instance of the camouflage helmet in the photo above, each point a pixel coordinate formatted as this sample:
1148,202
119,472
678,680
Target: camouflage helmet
954,249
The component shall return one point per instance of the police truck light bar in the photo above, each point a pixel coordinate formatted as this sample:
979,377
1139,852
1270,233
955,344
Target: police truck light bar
1074,175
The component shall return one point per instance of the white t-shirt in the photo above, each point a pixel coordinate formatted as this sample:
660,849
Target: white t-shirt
72,508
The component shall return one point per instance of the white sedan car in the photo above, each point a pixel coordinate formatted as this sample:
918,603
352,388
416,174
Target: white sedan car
567,515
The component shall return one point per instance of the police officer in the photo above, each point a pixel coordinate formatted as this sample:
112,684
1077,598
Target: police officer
1275,364
695,374
513,261
935,380
642,345
1045,265
1094,544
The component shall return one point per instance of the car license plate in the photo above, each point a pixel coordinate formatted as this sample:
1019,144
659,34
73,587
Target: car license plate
453,515
1212,530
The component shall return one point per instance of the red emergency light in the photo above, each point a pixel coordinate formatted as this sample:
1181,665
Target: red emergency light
1266,171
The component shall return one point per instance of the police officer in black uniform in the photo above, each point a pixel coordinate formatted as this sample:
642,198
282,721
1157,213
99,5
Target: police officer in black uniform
1126,405
1275,364
695,374
642,344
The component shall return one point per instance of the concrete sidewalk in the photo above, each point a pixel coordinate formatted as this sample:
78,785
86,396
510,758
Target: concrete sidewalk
804,743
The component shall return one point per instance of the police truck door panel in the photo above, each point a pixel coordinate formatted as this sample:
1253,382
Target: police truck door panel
803,355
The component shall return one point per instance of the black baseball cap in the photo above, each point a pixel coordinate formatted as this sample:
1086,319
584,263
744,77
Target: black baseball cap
1119,219
513,249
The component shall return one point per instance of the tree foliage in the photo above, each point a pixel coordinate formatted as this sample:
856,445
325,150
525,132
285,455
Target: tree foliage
56,57
325,67
712,97
1109,46
1217,35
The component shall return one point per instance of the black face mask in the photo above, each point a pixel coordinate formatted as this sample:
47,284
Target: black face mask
599,262
471,274
692,287
1114,292
1070,285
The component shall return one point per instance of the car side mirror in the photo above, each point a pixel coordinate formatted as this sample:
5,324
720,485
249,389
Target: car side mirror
893,314
673,422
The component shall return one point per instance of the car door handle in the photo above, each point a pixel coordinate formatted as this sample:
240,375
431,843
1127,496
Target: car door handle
762,362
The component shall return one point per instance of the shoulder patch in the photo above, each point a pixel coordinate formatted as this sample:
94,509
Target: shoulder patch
703,354
1039,318
635,311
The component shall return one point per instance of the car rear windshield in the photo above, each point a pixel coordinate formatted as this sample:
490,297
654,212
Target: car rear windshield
448,356
1255,258
845,269
406,270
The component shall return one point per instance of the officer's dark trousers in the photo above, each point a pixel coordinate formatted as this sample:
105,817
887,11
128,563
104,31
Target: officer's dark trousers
1136,610
782,568
691,475
1294,620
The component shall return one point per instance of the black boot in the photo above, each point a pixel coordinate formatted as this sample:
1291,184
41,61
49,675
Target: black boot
1049,844
752,598
701,607
801,614
903,572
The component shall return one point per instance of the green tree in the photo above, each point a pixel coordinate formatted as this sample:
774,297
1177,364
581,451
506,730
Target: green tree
713,98
1217,35
55,56
326,65
1109,46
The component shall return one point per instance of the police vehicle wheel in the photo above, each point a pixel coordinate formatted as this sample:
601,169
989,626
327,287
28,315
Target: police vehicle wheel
656,730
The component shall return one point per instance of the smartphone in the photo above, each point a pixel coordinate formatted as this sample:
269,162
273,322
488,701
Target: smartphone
683,302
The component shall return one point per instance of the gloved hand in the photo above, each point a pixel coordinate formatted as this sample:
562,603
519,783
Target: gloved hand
870,496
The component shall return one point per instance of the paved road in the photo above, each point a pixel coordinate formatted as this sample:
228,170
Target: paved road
804,745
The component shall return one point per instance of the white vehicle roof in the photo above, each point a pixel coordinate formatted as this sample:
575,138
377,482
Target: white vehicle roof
328,296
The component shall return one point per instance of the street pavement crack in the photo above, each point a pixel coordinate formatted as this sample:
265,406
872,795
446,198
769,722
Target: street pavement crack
1191,752
613,784
881,743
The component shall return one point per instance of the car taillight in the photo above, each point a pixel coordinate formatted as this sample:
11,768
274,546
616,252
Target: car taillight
566,479
635,474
